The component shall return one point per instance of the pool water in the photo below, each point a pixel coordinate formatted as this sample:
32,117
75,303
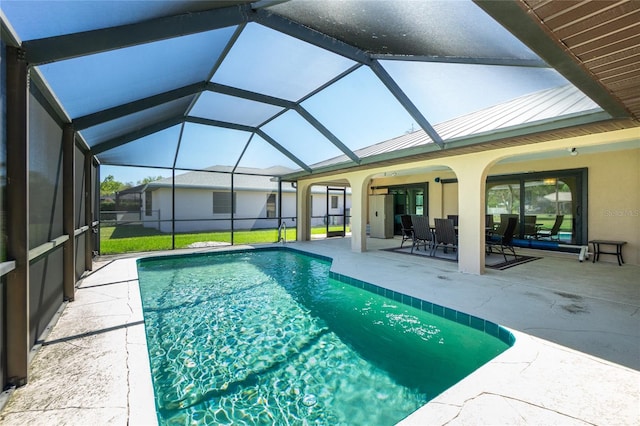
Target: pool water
266,337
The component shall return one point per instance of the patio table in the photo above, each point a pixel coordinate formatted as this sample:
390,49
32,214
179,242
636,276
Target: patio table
597,251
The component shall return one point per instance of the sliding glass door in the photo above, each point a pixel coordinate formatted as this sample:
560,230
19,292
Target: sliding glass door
550,206
336,212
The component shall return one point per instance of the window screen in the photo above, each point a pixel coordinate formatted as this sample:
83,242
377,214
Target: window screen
148,203
222,203
271,205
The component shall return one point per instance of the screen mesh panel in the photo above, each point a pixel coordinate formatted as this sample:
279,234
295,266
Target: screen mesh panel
45,176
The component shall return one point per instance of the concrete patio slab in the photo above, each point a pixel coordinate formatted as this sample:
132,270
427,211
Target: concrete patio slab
576,359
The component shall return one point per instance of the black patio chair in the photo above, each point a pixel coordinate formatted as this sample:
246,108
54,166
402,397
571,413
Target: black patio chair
407,228
446,236
501,227
530,227
553,232
505,241
488,222
422,234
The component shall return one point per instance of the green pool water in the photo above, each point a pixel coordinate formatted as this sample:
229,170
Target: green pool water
266,337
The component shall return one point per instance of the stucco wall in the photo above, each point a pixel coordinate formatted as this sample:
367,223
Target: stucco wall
450,199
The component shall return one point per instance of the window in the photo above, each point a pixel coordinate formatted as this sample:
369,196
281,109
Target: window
271,205
334,201
222,202
148,203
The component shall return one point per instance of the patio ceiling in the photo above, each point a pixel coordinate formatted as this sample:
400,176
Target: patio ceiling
295,85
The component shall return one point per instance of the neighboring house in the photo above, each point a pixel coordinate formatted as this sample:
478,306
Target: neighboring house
203,201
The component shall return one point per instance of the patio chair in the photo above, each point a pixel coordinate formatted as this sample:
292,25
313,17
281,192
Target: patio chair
505,242
489,224
422,234
407,228
454,218
445,235
553,232
530,227
502,226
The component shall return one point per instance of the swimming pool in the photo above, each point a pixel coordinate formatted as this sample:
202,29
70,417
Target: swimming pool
271,336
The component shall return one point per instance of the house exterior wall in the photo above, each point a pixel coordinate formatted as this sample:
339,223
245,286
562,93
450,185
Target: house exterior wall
449,198
194,211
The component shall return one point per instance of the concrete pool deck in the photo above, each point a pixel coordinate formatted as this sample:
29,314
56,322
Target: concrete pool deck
576,359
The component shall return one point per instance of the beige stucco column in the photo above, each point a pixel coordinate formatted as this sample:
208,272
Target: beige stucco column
359,186
303,211
471,171
436,201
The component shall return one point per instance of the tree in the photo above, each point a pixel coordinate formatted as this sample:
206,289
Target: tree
110,186
149,179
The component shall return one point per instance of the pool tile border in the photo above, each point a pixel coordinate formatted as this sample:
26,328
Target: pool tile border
228,251
463,318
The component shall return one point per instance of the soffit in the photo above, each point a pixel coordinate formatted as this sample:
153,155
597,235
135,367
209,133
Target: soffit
602,36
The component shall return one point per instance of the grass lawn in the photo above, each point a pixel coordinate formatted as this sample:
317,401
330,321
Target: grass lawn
134,238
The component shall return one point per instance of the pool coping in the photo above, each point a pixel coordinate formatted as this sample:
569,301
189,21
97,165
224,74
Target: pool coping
489,383
535,381
490,328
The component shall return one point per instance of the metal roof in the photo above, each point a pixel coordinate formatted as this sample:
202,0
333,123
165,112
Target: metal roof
220,178
534,108
217,181
293,84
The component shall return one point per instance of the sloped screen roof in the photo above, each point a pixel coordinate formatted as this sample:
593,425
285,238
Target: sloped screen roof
293,85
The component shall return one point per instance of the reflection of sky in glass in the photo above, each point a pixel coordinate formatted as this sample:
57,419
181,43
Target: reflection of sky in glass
207,146
445,91
261,154
157,149
296,135
75,16
116,77
423,28
268,62
360,110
